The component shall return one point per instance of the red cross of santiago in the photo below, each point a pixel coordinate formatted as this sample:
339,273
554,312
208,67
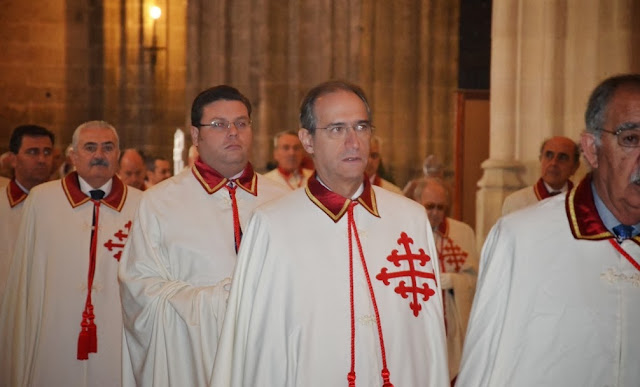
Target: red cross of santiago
411,274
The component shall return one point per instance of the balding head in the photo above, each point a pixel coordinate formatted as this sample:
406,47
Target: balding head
433,194
559,160
132,169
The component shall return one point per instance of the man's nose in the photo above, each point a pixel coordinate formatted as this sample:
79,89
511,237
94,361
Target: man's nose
351,138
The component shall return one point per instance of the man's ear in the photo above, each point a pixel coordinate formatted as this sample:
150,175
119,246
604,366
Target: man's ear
194,135
589,149
13,159
306,139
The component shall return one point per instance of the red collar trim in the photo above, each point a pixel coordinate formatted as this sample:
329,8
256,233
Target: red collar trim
115,200
211,180
335,205
15,194
584,221
541,190
377,181
444,228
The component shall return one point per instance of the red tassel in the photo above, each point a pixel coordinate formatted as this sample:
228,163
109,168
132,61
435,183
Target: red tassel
351,377
92,338
385,378
83,345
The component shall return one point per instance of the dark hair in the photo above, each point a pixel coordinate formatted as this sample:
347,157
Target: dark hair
213,94
601,96
15,142
307,114
150,162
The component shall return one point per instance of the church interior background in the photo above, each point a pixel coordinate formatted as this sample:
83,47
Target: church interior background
435,71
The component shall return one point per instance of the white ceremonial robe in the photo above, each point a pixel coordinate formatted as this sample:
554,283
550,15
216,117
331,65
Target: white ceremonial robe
175,277
45,295
11,204
288,319
550,309
522,198
293,182
529,196
386,184
458,256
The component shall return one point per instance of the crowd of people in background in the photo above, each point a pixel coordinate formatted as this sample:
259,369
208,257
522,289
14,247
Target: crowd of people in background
116,271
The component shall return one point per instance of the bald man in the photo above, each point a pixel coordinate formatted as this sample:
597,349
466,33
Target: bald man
559,160
132,169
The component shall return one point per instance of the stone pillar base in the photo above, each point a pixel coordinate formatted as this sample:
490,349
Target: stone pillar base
500,178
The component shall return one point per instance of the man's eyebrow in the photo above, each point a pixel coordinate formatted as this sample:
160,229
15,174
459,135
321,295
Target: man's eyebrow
627,126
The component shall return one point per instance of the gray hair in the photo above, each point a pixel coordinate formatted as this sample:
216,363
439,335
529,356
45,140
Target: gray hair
280,134
423,182
598,104
97,124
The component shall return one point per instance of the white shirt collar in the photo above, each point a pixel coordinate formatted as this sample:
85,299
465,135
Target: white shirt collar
85,187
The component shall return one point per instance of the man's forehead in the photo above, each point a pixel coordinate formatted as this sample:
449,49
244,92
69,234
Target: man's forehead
223,108
97,135
288,139
339,103
36,141
558,145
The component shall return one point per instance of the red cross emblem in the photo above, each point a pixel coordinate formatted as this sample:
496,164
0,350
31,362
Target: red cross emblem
118,245
418,286
451,255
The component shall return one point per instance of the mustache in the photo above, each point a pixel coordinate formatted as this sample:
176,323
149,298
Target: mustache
99,162
635,177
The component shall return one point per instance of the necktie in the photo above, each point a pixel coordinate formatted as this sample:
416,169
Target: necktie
237,231
88,338
623,232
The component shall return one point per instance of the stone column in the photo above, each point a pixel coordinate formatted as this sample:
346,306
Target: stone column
501,169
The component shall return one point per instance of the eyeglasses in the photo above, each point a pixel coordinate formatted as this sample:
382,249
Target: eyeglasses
434,206
628,138
363,130
226,125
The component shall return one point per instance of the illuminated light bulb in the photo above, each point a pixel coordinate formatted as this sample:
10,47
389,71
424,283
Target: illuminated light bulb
155,12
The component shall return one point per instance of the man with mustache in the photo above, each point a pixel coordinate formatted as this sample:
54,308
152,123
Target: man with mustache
338,283
32,158
559,160
61,321
176,269
558,292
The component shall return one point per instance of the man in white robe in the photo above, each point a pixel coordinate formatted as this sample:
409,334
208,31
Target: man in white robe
32,148
559,160
458,258
288,153
176,269
60,320
336,283
559,283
